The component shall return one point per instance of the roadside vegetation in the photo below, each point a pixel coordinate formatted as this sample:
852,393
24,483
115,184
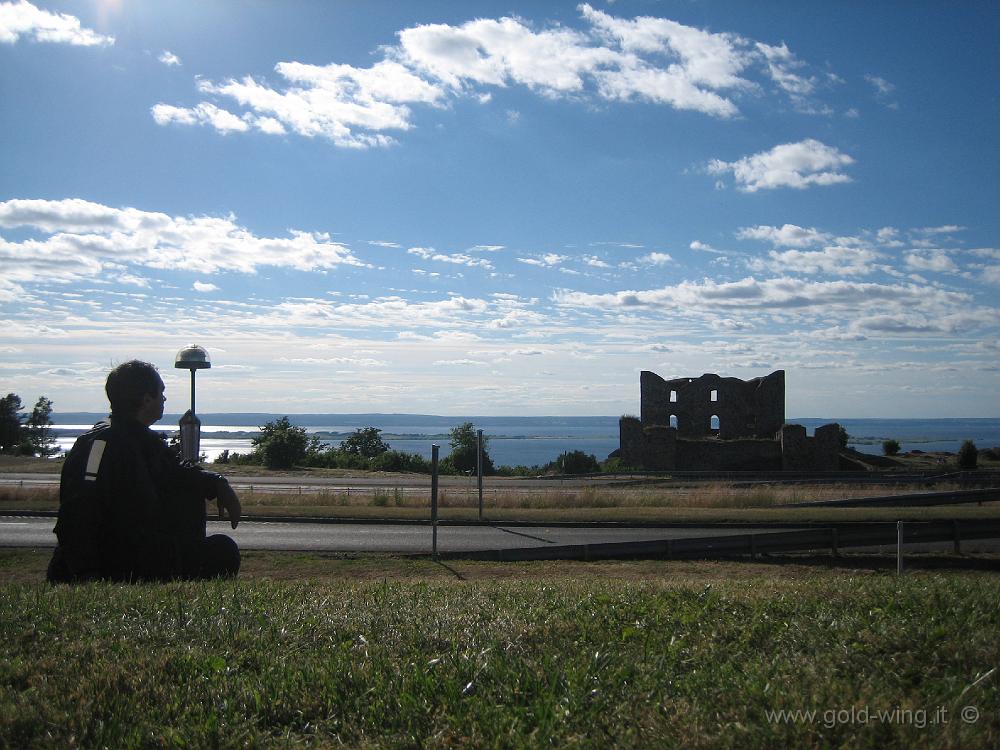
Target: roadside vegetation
713,502
390,653
282,445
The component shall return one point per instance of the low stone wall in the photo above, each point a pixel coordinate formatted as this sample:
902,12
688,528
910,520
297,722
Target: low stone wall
658,448
728,455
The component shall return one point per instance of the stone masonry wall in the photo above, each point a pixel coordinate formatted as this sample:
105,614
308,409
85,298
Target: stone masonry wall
745,408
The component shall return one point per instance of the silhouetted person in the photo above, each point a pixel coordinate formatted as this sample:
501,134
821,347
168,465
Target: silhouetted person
129,508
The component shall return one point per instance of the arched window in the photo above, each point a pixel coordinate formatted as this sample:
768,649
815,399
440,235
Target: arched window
673,421
714,424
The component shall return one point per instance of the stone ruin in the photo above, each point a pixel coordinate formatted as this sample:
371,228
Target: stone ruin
713,423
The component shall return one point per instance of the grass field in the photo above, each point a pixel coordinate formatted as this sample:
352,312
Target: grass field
701,503
381,652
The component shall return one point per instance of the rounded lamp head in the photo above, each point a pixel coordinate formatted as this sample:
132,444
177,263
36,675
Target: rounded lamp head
192,357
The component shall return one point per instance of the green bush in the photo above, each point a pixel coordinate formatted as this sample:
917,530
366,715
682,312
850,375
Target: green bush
281,445
615,465
399,461
576,462
463,452
890,447
366,442
968,455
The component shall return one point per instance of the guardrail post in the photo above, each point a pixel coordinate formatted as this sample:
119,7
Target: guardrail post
434,500
956,538
479,469
899,548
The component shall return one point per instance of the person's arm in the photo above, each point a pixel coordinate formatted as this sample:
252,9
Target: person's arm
207,484
226,498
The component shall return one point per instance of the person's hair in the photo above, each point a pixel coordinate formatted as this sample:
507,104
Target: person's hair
128,383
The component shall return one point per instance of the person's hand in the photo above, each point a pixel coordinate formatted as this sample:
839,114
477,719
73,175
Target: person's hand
226,498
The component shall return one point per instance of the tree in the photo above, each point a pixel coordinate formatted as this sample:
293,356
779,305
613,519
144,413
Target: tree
10,423
365,442
890,447
463,450
37,434
842,437
281,445
30,437
968,455
577,462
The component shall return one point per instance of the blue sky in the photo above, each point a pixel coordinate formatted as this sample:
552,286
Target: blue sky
502,208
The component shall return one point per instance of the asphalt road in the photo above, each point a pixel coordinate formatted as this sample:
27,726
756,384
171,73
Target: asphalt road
404,538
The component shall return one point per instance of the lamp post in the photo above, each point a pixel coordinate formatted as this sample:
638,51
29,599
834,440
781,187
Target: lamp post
191,357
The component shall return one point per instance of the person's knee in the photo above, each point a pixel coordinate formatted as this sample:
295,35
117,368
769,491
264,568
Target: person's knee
221,557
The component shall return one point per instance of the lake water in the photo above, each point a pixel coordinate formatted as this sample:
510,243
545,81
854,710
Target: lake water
535,441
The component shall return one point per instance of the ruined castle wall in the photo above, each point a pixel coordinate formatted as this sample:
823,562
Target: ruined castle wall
818,453
632,441
743,408
711,423
729,455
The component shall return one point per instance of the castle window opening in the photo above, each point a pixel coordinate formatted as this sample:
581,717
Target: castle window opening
713,395
714,422
673,397
673,421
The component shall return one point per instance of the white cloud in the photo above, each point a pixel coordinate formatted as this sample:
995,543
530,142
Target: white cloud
794,165
776,294
991,274
730,324
352,361
646,59
832,261
883,91
937,261
704,248
204,114
548,260
656,259
201,286
350,106
945,229
169,59
459,363
888,236
460,259
781,62
882,87
86,238
24,19
788,235
500,51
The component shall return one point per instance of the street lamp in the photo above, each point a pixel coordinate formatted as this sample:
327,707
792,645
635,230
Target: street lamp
191,357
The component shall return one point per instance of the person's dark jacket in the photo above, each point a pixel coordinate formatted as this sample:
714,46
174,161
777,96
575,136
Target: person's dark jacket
128,507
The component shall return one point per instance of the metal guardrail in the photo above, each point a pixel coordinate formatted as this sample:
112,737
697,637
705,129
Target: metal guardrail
954,497
831,538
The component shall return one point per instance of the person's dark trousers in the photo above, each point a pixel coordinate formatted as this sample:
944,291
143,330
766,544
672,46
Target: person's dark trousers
198,556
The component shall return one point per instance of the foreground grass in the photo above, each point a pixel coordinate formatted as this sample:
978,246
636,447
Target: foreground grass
401,653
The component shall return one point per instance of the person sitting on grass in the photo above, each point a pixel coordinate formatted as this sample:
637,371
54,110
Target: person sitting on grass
129,508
